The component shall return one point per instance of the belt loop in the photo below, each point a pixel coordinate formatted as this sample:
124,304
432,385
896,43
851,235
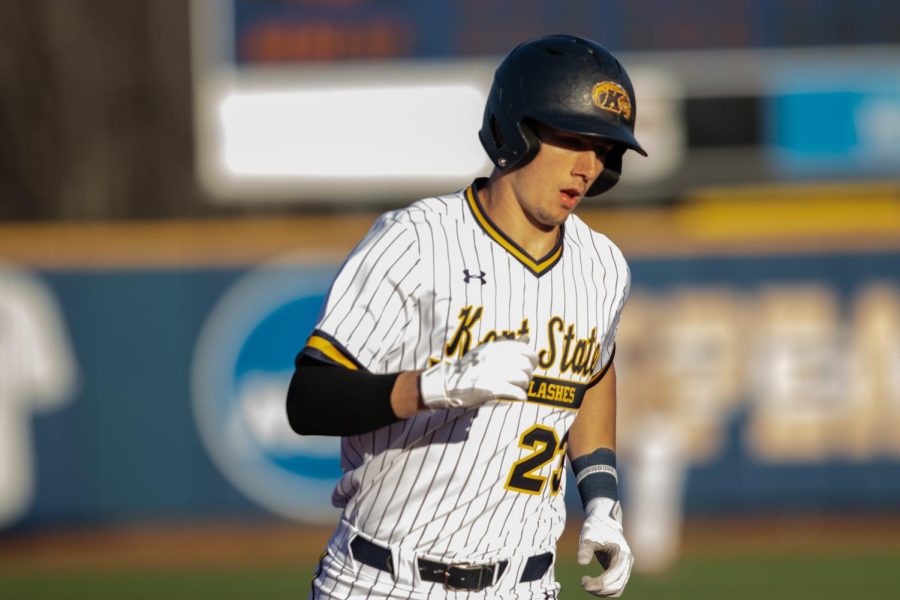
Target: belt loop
396,563
342,538
500,570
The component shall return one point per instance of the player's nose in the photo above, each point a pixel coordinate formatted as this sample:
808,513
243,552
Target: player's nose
588,165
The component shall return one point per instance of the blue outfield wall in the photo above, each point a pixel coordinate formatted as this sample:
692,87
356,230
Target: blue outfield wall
127,446
176,414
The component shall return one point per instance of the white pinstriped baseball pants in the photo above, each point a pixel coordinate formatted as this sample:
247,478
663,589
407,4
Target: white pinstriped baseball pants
340,577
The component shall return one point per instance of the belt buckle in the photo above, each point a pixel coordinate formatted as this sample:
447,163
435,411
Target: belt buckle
465,566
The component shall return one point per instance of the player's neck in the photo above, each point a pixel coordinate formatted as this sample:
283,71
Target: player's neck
504,209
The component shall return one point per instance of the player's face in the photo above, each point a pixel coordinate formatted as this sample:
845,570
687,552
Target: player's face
552,185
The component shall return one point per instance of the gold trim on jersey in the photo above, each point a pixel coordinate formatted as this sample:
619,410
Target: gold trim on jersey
539,266
596,378
331,351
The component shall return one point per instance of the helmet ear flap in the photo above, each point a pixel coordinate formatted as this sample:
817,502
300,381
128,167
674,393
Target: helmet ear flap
510,144
531,141
612,170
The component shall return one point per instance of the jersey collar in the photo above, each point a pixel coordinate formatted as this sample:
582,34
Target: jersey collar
538,266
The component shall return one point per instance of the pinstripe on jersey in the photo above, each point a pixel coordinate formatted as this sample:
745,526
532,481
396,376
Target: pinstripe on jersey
430,282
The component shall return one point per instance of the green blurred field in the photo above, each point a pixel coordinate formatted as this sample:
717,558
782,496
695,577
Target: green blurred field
871,576
732,565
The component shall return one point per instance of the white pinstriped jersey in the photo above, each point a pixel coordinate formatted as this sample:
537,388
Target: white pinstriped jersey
428,283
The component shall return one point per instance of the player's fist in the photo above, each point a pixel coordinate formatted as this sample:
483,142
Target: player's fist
601,536
500,369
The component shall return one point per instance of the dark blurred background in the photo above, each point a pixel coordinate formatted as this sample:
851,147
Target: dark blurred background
96,110
100,99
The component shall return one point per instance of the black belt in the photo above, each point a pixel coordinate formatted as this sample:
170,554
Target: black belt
460,576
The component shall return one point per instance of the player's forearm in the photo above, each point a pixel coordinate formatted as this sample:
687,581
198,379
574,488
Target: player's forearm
329,400
595,425
325,399
406,400
586,437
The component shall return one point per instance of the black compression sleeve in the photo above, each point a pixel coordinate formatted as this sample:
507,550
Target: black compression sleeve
324,399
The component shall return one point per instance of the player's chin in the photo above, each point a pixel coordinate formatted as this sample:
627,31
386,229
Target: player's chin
553,217
562,213
555,220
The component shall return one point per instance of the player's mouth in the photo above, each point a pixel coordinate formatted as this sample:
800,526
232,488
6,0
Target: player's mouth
570,197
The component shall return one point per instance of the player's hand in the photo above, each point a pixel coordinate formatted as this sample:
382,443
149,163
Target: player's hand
499,369
601,536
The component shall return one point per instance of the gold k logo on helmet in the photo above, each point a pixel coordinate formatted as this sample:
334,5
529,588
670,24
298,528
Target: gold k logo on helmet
612,97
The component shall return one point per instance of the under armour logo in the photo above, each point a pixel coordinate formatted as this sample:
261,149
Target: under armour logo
481,277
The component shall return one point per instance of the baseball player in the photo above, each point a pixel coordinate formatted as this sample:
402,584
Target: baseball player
465,349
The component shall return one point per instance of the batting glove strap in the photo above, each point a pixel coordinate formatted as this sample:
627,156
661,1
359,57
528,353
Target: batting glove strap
500,369
602,536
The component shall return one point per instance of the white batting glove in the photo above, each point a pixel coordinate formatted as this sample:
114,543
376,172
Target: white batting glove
499,369
601,535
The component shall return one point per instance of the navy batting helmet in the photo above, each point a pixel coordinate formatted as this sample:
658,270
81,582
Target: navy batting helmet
568,83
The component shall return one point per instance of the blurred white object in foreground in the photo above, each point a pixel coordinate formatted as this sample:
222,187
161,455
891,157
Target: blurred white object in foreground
656,464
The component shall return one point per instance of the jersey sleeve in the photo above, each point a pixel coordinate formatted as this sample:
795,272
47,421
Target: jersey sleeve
620,276
369,300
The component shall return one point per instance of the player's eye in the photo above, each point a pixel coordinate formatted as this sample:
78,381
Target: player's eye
574,143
